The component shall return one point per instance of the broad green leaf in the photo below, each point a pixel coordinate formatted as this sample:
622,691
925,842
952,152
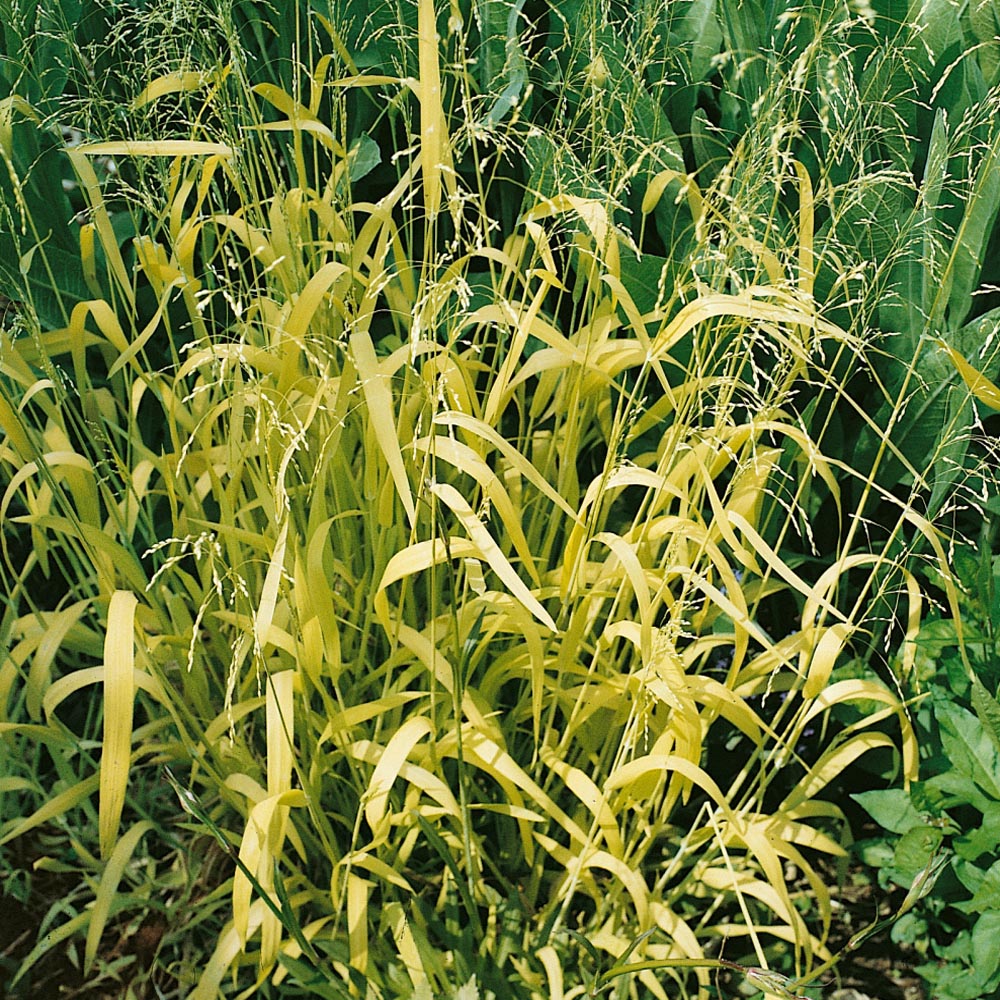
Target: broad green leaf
962,271
959,788
936,23
501,59
747,35
984,17
950,465
931,436
39,254
968,747
986,950
928,263
557,170
891,808
699,30
986,891
987,708
916,850
364,156
983,839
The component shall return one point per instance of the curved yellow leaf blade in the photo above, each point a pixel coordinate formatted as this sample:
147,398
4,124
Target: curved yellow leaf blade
978,384
119,697
490,551
110,878
154,147
393,757
381,412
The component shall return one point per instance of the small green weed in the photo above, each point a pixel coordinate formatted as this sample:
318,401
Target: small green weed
955,806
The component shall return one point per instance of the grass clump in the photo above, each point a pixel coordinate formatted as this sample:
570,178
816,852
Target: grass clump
475,539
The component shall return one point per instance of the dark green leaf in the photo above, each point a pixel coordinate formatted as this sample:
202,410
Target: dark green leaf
960,788
915,850
988,710
986,948
961,274
891,808
968,747
700,28
983,839
364,156
984,17
987,892
501,58
303,974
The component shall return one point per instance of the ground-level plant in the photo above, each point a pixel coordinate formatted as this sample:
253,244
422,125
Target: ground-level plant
954,805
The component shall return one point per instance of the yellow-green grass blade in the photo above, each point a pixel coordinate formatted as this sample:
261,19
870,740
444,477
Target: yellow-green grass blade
260,848
64,687
483,431
978,384
231,942
406,945
102,222
264,616
577,863
399,747
14,431
110,560
467,460
46,646
55,806
415,559
381,412
154,147
490,552
119,698
429,783
110,877
48,941
179,82
857,689
435,148
832,763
